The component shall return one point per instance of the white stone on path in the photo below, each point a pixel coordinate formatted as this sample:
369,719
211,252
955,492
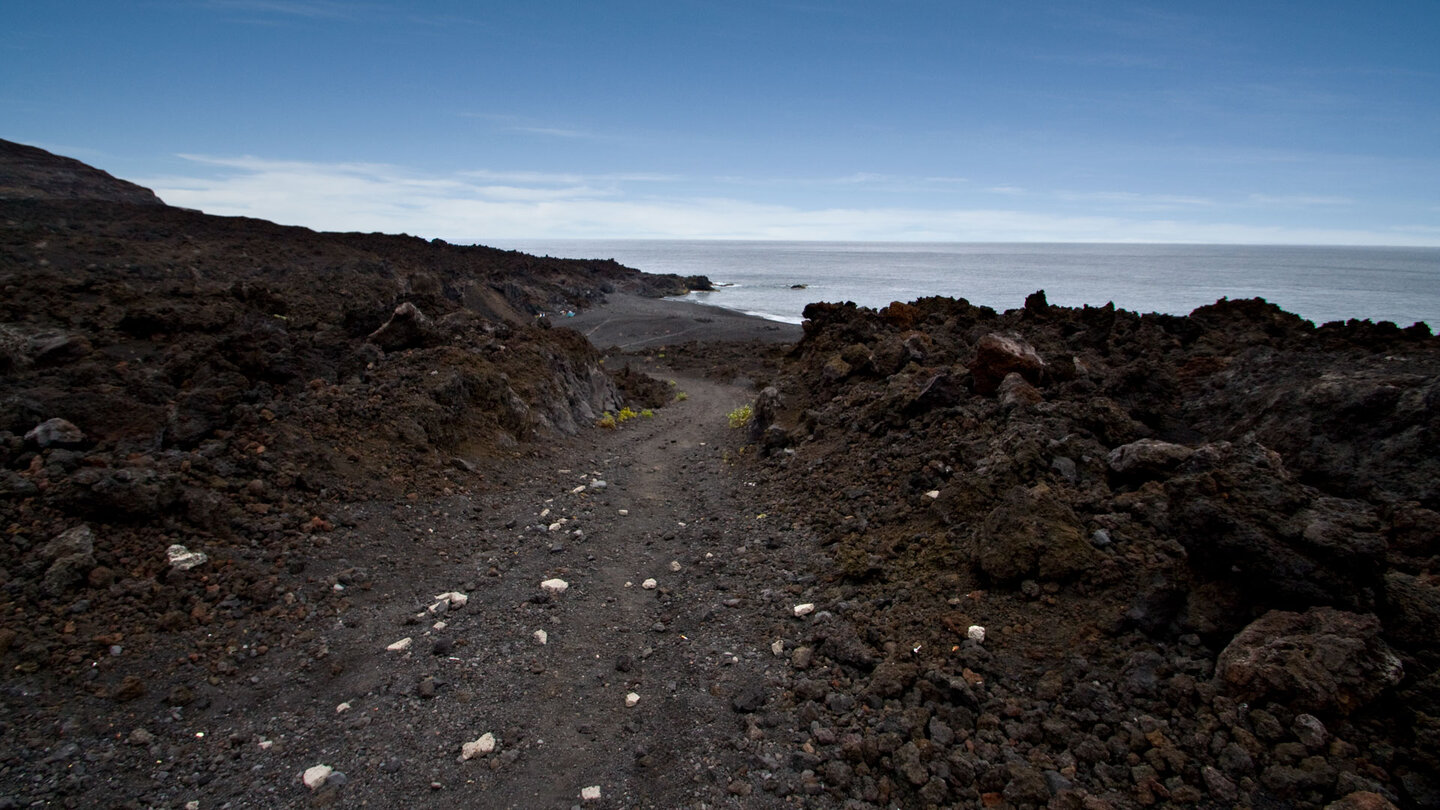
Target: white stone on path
778,647
649,584
454,598
590,794
401,645
555,586
342,708
597,484
578,490
478,748
674,565
976,633
631,699
933,494
315,776
624,512
183,559
540,636
805,609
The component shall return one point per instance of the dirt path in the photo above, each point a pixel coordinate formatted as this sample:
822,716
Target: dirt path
695,649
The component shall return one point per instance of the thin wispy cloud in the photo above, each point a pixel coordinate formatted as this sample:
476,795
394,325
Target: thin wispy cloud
1299,199
570,178
555,132
311,9
481,204
1134,198
516,123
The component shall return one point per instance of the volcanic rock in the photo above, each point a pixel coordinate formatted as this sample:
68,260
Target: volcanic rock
998,355
1031,533
55,432
1324,661
1149,457
407,328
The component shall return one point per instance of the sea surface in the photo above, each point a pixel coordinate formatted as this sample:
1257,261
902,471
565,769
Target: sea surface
777,279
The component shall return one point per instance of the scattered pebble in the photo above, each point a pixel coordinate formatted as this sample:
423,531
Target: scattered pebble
933,494
674,565
540,636
315,776
590,794
265,744
631,699
342,708
555,585
478,748
597,484
778,648
183,559
805,609
976,633
578,490
401,645
649,584
454,599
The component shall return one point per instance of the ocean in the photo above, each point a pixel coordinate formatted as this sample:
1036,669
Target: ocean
777,279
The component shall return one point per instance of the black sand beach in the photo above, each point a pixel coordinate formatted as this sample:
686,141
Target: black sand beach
627,321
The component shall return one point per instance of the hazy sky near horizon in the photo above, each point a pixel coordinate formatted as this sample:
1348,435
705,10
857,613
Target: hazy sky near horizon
965,120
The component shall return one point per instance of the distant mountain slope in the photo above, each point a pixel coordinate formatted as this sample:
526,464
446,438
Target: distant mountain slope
30,173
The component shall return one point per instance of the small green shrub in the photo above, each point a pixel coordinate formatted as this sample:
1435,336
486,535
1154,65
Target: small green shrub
607,421
741,416
681,396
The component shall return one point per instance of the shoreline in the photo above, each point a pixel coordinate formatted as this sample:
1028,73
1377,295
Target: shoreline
627,321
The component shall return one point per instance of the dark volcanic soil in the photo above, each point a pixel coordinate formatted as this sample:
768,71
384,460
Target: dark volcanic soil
948,557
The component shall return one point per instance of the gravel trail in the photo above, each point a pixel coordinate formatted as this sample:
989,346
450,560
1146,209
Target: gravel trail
655,499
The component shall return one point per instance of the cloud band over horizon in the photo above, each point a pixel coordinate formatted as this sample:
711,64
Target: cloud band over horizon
478,204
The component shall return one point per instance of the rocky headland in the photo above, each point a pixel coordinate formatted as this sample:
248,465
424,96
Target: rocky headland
305,519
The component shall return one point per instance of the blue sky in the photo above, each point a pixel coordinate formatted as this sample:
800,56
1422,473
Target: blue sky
1251,122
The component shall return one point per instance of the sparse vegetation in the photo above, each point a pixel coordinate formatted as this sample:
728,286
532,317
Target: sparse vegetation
610,421
741,416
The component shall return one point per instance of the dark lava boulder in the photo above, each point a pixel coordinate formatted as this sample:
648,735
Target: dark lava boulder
997,356
1031,533
408,328
1242,517
1324,661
